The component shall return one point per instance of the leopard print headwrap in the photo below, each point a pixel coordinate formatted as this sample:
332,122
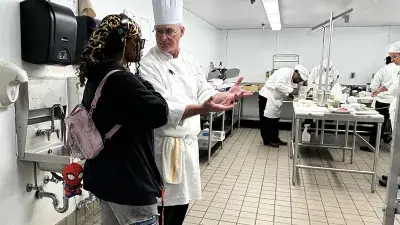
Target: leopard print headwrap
94,51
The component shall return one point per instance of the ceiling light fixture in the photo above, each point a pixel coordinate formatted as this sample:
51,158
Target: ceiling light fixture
272,9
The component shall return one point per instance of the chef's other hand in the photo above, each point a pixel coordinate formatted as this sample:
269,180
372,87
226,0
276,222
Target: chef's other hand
210,106
291,96
235,89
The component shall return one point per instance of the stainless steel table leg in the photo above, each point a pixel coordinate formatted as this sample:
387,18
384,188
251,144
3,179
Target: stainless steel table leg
337,128
376,156
233,115
240,111
353,147
223,128
316,127
296,149
346,139
322,131
209,138
292,137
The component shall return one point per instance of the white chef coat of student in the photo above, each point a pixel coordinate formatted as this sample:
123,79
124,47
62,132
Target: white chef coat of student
393,89
279,85
381,77
392,85
333,75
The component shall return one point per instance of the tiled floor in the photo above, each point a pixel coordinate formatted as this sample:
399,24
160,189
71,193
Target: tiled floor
248,183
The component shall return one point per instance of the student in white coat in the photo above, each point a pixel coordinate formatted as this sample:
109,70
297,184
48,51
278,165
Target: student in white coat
178,77
392,87
279,85
333,75
382,103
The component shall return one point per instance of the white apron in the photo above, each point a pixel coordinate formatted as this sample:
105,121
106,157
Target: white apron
273,106
190,186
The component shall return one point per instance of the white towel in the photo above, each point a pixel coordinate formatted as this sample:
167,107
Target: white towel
172,159
86,8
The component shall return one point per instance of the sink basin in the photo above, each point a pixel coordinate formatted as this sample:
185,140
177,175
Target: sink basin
51,158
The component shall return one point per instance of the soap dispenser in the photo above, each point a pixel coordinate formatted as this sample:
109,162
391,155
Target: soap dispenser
10,78
306,137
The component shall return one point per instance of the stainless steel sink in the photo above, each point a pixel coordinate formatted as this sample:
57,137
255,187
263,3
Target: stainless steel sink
52,158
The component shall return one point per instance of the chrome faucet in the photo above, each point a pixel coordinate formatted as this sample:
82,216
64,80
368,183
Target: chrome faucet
53,129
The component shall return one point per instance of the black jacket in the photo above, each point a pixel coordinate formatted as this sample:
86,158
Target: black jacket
125,171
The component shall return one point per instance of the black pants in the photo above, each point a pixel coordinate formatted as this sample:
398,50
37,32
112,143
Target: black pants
383,109
173,215
269,127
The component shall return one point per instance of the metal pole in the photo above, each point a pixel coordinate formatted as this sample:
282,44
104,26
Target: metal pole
329,53
376,156
346,139
393,174
353,146
322,60
209,138
296,149
223,128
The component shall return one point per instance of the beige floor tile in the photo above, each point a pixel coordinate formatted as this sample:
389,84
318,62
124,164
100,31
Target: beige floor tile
250,184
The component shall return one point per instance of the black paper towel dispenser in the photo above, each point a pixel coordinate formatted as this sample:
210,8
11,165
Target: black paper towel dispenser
86,26
48,33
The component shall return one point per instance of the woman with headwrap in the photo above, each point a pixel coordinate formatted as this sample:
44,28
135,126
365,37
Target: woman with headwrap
124,175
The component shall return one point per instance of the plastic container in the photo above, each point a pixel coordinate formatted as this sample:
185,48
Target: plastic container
306,137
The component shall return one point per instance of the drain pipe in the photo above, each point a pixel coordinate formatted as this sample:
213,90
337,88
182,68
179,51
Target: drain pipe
42,194
86,201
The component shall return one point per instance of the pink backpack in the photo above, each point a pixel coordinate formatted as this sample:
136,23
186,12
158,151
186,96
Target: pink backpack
83,138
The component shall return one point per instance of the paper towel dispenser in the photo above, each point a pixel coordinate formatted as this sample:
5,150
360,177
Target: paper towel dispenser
86,26
48,33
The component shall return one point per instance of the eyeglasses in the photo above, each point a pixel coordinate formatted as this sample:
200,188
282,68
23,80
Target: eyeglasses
170,32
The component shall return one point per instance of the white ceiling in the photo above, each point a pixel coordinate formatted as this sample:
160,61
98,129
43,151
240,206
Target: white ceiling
240,14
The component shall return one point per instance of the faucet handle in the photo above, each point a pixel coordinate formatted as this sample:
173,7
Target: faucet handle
58,133
48,133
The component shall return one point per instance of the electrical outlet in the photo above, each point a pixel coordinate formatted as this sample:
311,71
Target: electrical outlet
352,75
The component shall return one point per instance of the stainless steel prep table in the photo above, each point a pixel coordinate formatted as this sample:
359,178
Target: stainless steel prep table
300,114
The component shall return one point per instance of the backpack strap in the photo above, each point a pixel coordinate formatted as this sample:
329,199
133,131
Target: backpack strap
98,92
96,99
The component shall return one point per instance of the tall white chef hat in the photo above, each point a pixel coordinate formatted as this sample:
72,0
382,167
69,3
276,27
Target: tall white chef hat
325,63
167,12
395,47
302,71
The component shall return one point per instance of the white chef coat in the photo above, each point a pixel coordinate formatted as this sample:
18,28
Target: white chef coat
382,76
393,89
278,85
182,82
313,81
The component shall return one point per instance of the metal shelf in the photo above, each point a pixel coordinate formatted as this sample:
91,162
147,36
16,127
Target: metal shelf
209,144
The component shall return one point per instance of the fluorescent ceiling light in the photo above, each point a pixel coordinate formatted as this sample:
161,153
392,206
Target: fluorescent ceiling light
272,9
275,26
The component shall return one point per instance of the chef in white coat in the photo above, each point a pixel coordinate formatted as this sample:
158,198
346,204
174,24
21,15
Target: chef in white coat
278,85
383,100
392,87
178,77
333,75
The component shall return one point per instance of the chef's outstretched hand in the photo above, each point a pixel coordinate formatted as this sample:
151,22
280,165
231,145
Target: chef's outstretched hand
210,106
239,92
